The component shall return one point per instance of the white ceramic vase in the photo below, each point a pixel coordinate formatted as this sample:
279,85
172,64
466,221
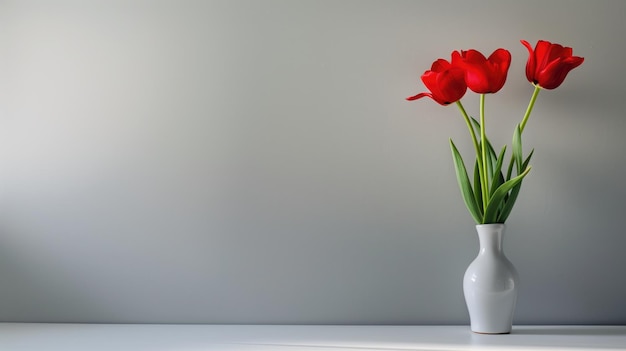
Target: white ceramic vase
490,284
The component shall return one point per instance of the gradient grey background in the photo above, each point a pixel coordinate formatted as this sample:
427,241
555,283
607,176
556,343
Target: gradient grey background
256,162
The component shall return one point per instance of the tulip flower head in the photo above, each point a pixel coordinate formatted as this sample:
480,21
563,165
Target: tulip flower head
483,75
548,64
445,82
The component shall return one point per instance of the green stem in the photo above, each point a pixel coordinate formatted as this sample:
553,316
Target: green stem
470,127
531,104
529,109
483,144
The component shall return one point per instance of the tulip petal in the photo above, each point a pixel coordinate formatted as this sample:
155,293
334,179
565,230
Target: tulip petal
555,51
531,63
429,78
419,96
499,62
541,51
527,45
451,85
457,60
475,65
567,52
440,65
554,74
477,80
500,57
474,57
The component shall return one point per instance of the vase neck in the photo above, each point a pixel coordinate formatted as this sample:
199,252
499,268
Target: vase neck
490,237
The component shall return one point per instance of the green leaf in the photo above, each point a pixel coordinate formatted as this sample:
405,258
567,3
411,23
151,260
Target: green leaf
510,201
498,178
517,148
476,124
491,213
464,184
527,160
492,153
478,189
492,159
509,172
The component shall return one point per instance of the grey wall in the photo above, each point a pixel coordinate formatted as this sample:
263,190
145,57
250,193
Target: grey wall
256,162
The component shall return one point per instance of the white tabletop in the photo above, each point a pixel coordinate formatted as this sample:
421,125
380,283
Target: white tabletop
136,337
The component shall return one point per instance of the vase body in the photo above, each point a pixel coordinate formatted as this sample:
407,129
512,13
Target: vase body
490,284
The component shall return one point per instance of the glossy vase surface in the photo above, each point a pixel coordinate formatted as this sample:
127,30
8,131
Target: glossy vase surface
490,284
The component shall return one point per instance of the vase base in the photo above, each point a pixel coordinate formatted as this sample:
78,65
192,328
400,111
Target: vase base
490,333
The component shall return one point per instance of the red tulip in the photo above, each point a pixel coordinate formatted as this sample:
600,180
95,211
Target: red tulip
446,83
483,75
549,64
